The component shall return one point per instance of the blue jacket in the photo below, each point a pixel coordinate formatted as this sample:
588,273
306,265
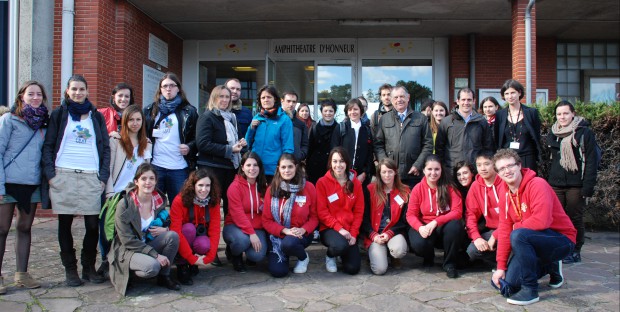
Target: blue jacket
272,138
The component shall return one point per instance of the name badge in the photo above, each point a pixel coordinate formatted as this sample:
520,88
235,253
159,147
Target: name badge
496,210
514,145
399,200
300,199
157,133
332,198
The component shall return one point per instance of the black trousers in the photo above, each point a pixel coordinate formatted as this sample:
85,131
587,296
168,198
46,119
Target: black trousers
338,246
448,236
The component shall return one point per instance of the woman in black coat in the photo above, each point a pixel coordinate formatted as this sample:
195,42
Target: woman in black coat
573,167
320,141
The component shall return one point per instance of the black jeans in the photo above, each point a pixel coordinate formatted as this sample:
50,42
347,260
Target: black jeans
573,203
338,246
65,237
448,236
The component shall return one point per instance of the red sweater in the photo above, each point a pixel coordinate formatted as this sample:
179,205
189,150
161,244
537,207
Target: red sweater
482,201
336,209
376,212
179,215
420,211
541,209
303,214
244,206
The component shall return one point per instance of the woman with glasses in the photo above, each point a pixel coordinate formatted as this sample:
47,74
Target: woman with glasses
171,127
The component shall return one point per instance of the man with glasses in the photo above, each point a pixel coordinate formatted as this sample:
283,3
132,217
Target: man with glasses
463,134
534,227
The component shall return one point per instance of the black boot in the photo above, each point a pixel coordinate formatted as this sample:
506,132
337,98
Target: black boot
238,264
194,270
228,253
70,263
104,269
166,281
217,262
89,273
184,275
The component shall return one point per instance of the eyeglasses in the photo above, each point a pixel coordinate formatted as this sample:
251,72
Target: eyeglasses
502,170
169,86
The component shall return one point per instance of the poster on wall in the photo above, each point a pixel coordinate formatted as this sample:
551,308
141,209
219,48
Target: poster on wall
150,82
158,50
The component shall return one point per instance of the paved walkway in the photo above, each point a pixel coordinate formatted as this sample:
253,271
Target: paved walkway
592,285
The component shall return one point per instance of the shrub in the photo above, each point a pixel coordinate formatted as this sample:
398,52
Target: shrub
603,211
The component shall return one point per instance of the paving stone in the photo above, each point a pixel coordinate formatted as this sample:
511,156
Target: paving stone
60,305
425,296
317,306
12,306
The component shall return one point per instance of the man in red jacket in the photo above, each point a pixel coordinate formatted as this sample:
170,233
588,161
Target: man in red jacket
534,226
482,213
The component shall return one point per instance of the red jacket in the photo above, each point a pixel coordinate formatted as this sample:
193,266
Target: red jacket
112,119
179,215
372,219
541,209
303,214
420,211
482,201
245,206
342,210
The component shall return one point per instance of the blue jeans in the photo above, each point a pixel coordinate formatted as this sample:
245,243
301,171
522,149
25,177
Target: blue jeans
291,247
239,242
170,181
532,254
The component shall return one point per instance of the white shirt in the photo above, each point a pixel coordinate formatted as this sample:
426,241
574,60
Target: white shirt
78,149
166,152
129,169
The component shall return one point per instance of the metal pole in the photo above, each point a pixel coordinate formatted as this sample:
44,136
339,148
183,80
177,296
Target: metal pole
66,65
13,51
528,51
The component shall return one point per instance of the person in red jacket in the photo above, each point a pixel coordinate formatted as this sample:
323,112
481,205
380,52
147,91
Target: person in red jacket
243,226
534,227
195,216
385,225
482,213
340,206
435,213
290,216
122,96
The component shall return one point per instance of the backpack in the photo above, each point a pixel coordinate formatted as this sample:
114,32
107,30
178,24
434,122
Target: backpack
106,216
598,152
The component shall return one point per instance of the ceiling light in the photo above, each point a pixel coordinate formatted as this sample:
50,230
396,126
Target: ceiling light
244,69
309,68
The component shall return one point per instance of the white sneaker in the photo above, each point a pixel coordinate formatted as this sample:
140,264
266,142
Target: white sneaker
302,265
330,264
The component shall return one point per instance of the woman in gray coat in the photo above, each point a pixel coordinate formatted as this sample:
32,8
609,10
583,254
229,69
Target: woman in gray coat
143,242
22,132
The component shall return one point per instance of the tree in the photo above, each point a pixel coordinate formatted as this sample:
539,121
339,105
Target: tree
341,94
371,97
417,91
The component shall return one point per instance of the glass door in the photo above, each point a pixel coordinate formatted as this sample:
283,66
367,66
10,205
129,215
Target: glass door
333,81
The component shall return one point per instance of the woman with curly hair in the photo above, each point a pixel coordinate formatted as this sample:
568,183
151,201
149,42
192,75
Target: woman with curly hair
195,217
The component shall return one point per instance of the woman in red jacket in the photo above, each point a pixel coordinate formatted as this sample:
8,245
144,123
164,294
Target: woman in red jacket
195,216
385,224
340,206
290,216
434,214
243,226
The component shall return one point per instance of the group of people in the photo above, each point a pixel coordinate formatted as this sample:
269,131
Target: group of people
399,180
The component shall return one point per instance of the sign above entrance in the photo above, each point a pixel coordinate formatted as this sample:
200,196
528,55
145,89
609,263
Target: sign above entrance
293,48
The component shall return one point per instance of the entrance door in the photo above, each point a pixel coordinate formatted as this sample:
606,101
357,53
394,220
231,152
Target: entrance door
333,81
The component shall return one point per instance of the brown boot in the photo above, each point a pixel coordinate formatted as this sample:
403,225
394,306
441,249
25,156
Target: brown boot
23,279
2,287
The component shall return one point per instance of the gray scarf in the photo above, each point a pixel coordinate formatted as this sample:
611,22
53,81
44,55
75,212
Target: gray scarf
230,122
567,134
287,208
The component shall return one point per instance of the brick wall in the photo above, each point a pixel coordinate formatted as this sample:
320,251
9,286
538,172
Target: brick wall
110,46
493,62
546,66
459,63
111,40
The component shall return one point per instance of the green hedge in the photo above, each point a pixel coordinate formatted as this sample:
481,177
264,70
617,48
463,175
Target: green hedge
603,212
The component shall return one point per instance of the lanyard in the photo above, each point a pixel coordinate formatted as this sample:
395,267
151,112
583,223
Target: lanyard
516,205
513,126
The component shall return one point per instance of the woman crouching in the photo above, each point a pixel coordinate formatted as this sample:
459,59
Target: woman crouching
195,217
289,216
132,250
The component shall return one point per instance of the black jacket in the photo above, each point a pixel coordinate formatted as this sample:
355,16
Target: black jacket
363,158
318,150
211,141
457,141
560,177
300,138
187,116
532,123
55,134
